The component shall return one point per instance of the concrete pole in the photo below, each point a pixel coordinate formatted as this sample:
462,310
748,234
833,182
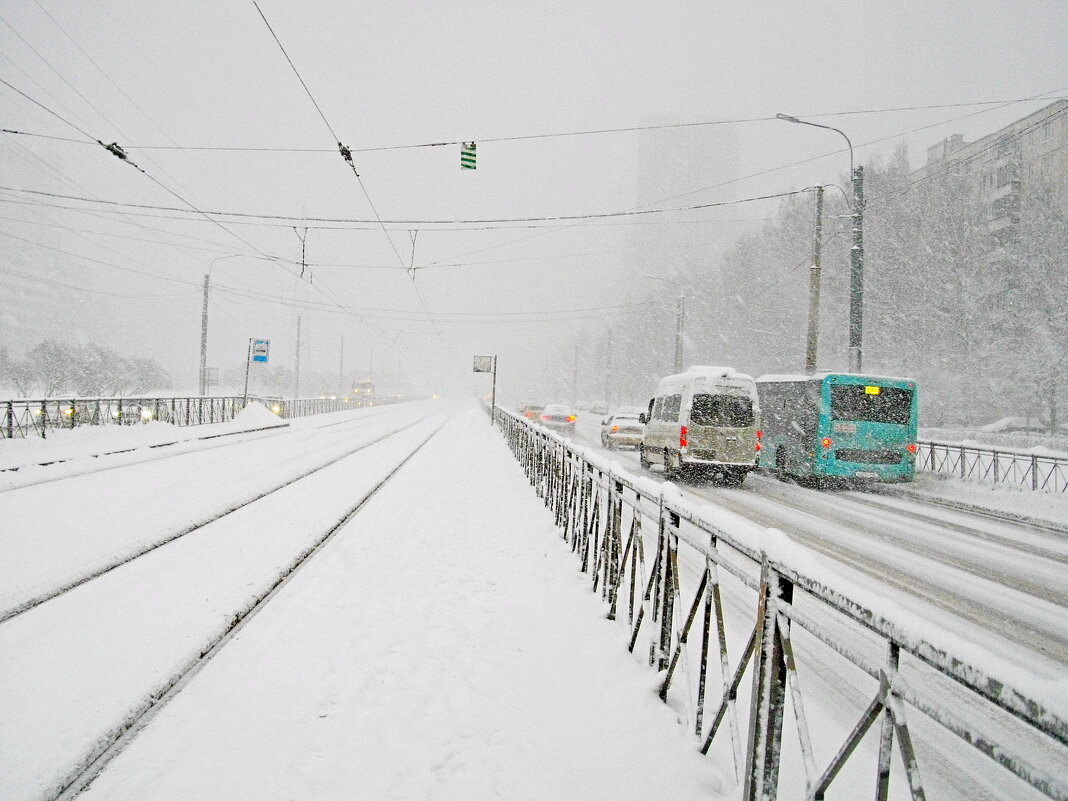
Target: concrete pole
608,374
204,338
814,289
856,276
680,318
296,367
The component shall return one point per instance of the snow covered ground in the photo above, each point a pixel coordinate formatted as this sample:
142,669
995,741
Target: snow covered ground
442,645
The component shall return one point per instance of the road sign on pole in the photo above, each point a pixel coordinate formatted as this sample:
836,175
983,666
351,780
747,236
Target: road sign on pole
260,350
488,364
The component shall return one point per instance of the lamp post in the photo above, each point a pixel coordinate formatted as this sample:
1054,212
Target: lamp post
856,257
680,315
204,324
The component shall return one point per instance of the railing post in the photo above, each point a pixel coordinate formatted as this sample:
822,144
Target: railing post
1034,473
10,422
667,587
769,690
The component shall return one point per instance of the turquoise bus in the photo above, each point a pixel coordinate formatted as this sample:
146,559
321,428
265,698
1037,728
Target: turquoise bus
838,425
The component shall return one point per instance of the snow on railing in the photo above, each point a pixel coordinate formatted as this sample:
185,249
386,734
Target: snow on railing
37,417
647,551
1038,472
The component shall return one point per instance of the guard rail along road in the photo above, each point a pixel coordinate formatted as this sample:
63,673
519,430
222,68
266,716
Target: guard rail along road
36,417
1041,473
663,565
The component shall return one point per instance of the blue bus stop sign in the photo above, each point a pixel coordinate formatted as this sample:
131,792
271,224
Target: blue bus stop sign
260,349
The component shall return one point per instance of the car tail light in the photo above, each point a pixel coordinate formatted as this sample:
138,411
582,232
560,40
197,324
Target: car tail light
545,417
826,442
571,418
759,434
682,437
758,446
911,447
615,429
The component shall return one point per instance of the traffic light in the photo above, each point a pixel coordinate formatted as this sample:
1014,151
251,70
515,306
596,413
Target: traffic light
467,156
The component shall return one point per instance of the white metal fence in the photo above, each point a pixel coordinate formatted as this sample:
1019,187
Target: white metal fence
1031,471
685,584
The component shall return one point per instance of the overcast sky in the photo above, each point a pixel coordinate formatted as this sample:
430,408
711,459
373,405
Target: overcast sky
391,74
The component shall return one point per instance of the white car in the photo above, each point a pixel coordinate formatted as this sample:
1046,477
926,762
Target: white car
621,430
558,417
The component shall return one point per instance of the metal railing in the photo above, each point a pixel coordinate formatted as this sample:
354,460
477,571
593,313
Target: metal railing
665,567
1032,471
38,417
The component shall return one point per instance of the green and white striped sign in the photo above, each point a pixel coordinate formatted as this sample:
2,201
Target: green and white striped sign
467,156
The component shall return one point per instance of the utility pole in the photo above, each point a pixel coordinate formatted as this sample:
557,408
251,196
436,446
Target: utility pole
608,374
574,377
856,275
296,368
204,338
856,253
341,370
680,315
814,289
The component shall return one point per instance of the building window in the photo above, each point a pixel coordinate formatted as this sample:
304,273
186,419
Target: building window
1047,131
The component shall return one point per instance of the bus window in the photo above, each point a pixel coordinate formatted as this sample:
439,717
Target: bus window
728,411
870,404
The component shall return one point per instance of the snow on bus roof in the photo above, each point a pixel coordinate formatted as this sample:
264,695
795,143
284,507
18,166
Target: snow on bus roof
770,378
716,372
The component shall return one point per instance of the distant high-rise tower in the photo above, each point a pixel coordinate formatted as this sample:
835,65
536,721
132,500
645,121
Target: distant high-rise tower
672,164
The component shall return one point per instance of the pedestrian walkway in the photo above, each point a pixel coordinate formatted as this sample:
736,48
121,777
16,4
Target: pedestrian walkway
443,646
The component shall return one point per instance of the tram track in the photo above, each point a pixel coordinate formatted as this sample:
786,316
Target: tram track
204,648
262,433
57,591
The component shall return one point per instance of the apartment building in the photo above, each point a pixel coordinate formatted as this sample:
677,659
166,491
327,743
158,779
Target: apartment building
1011,167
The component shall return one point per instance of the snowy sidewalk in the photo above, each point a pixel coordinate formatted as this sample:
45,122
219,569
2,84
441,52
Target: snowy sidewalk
443,646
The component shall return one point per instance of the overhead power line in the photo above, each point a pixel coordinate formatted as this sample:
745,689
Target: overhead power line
546,135
474,221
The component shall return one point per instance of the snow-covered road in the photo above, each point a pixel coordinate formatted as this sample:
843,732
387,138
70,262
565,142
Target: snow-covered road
1001,583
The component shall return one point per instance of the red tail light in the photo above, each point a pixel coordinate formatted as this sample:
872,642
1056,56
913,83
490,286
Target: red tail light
545,417
758,446
682,437
615,429
911,447
759,434
571,418
826,442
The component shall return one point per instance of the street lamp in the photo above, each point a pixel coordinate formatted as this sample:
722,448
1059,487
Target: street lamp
204,324
856,258
680,314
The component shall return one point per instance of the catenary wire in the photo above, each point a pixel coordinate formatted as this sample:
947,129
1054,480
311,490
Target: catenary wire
548,135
